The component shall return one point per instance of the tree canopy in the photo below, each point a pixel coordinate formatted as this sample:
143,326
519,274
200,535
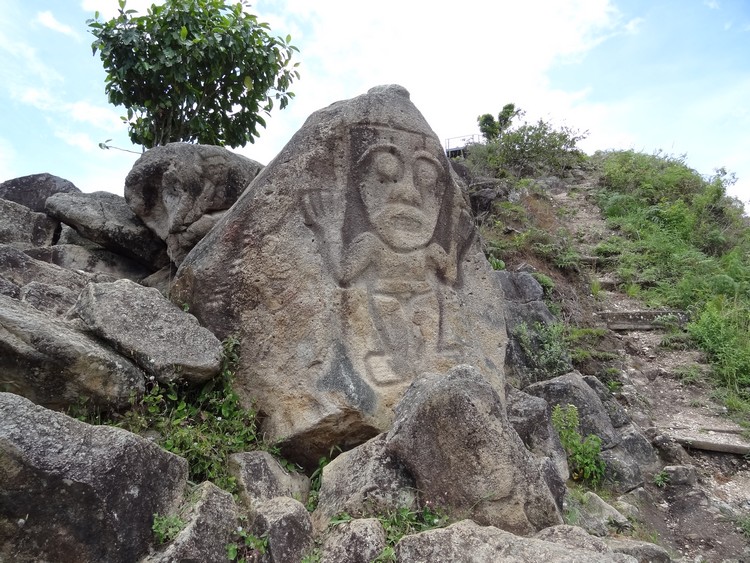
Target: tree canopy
193,70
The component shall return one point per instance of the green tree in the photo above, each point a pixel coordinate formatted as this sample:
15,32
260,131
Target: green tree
491,129
193,70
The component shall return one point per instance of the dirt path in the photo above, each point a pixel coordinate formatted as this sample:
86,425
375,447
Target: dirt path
665,393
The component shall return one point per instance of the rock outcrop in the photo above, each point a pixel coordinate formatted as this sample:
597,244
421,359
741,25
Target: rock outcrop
181,190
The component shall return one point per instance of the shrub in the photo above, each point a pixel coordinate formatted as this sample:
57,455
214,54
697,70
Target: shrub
545,349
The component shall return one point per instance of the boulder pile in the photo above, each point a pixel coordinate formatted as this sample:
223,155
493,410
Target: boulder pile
369,323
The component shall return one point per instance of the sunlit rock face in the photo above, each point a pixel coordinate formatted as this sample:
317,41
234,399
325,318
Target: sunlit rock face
348,268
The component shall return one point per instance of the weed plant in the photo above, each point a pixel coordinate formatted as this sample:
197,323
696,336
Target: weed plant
584,454
205,425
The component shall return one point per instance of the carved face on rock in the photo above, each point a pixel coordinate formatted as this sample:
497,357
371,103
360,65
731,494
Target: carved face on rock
401,182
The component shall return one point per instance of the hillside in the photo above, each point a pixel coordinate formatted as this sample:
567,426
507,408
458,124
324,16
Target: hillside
629,322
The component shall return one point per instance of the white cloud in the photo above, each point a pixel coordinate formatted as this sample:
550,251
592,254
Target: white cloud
712,4
109,8
8,157
79,140
48,20
633,26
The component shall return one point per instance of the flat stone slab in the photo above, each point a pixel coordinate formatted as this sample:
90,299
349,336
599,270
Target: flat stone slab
647,319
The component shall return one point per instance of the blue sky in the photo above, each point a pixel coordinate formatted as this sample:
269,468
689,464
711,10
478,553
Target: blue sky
671,75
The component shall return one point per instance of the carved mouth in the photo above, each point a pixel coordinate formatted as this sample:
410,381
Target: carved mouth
405,218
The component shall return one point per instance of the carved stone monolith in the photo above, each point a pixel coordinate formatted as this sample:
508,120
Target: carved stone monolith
348,268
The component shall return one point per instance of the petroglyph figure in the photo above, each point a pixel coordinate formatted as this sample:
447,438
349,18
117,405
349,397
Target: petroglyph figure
395,249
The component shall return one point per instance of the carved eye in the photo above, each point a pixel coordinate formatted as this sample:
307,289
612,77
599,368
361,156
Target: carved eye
387,167
425,173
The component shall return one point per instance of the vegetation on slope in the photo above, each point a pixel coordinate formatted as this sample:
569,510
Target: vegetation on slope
681,242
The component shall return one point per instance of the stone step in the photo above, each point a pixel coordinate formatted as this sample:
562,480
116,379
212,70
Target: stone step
647,319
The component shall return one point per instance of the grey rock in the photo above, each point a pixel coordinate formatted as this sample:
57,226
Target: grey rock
9,288
571,389
572,536
643,552
341,291
681,474
596,516
92,260
452,434
160,337
48,361
621,471
531,419
357,541
524,309
180,190
162,280
71,492
51,299
286,524
20,269
365,481
261,477
106,219
23,228
211,520
468,542
32,191
616,412
68,235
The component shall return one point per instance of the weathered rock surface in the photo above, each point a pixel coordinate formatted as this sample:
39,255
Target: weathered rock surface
286,524
530,417
260,477
365,481
180,190
358,541
572,536
106,219
92,260
71,492
596,516
20,269
23,228
571,389
157,335
524,309
211,522
643,552
51,299
468,542
32,191
452,434
48,361
348,269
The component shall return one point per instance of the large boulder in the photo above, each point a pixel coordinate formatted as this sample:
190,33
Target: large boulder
161,338
50,362
181,190
23,228
32,191
347,268
106,219
365,481
451,432
71,492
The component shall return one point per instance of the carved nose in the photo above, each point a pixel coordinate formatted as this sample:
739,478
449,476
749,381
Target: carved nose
404,191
